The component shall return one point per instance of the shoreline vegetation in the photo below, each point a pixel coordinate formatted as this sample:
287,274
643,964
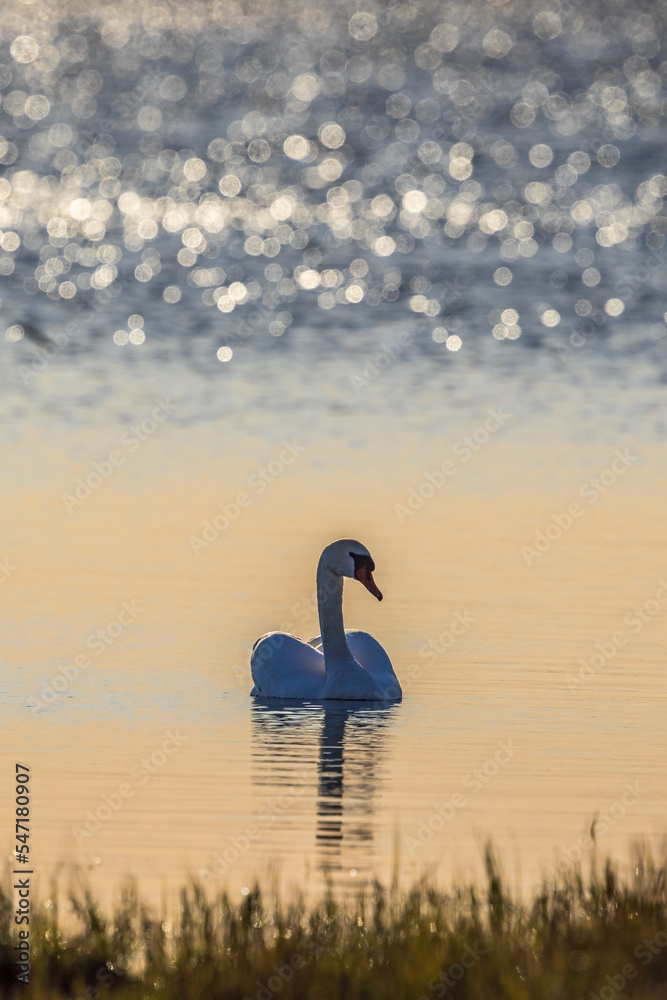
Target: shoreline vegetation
594,936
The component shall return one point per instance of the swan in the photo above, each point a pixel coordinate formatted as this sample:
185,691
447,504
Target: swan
340,664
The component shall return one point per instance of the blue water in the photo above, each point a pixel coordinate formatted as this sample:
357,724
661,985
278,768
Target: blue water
467,175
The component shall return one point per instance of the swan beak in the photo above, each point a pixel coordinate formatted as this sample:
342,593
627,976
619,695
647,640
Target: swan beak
365,576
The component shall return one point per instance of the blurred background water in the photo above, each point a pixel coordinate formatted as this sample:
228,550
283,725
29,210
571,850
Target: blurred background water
214,184
360,227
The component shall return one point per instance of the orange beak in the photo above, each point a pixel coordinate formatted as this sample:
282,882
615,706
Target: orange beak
365,576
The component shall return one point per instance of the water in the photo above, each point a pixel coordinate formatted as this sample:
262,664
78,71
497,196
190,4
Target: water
222,179
309,792
394,246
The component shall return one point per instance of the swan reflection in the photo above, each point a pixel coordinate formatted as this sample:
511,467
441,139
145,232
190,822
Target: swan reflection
333,751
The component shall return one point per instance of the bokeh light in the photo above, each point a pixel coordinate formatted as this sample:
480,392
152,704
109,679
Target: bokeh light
206,160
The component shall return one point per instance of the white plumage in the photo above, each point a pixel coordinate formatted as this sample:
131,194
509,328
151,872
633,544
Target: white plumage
339,664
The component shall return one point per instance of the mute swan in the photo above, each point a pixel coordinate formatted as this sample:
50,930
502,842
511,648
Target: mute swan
340,664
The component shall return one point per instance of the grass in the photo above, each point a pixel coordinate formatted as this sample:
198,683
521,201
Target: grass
604,934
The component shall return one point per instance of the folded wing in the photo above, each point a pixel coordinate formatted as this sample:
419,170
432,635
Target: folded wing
283,666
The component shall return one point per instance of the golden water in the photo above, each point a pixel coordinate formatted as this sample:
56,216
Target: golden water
249,790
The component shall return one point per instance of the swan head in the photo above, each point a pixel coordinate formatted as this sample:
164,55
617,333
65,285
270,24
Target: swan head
347,557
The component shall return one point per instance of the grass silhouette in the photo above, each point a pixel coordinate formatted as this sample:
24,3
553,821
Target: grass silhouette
603,934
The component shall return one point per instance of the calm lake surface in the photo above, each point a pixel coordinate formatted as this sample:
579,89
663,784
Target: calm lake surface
439,329
500,733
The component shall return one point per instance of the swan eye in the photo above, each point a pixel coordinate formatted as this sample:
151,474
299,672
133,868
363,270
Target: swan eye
360,561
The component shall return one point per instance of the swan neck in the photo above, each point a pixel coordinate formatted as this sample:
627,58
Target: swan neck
330,609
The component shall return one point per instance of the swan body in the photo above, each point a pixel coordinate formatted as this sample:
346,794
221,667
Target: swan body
338,664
